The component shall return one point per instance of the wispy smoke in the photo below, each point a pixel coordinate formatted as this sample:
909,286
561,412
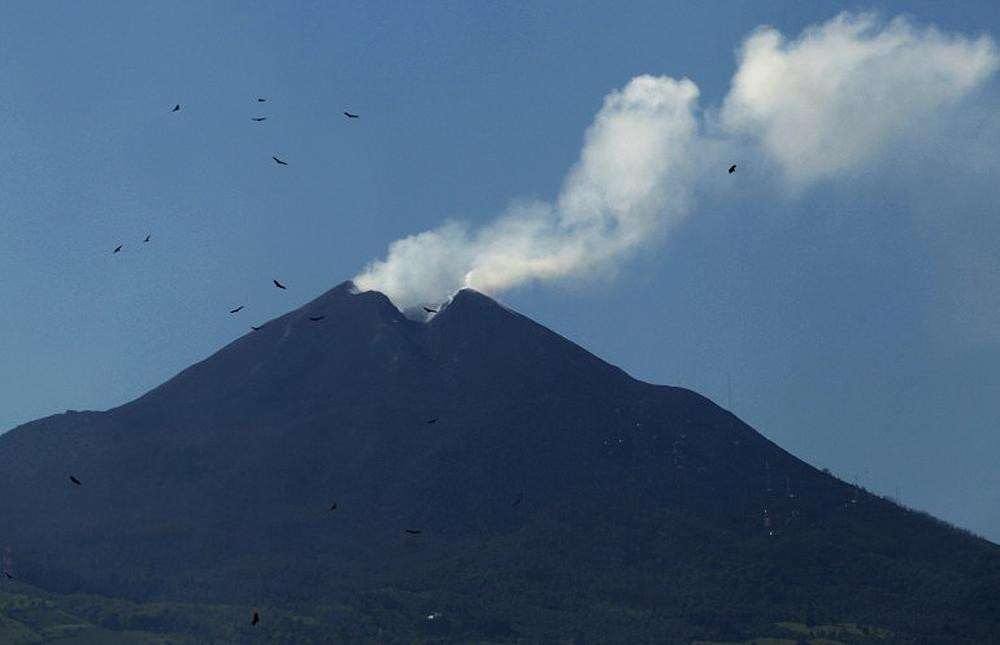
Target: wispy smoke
631,180
817,106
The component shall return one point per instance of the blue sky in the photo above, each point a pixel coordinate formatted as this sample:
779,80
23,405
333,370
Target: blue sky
856,317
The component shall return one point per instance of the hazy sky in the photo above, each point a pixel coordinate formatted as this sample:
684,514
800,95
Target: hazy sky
845,280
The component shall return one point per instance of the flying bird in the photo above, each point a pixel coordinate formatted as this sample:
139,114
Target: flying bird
237,310
413,531
177,108
75,480
256,619
258,118
117,248
316,318
732,169
434,420
279,161
333,506
516,501
146,240
279,285
352,116
256,328
430,311
7,573
259,100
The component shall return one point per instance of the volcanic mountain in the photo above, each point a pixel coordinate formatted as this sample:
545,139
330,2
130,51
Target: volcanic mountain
555,496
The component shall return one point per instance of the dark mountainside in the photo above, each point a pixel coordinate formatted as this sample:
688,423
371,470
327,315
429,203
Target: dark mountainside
646,513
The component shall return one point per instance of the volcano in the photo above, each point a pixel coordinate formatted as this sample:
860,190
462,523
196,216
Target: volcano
554,497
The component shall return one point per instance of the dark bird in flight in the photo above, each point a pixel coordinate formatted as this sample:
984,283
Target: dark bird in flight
316,318
279,161
732,169
413,531
256,619
7,573
259,100
177,108
146,240
279,285
430,311
117,248
233,311
516,501
75,480
258,118
434,420
256,328
333,506
352,116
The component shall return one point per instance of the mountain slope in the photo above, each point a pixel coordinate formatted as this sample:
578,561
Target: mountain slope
548,474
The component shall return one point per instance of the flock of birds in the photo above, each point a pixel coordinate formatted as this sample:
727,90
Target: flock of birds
280,162
256,617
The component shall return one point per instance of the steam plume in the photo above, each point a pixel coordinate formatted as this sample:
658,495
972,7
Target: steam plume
821,104
847,89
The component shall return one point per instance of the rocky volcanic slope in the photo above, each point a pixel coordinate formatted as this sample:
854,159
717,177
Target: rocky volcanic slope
551,486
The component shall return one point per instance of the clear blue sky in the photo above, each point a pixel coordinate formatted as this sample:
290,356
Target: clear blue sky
850,327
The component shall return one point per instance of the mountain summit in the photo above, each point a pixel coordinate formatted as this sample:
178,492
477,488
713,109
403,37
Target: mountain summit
546,486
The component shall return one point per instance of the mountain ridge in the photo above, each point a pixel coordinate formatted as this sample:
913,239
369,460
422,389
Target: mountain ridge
215,484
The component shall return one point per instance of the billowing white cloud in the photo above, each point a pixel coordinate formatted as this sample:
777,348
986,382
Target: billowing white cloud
631,182
843,90
817,106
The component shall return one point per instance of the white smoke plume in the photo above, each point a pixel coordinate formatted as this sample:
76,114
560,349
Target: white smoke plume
631,179
846,89
821,104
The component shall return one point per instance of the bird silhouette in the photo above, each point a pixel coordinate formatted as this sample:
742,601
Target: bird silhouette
7,573
413,531
75,480
256,328
352,116
279,285
279,161
258,118
256,619
430,311
316,318
260,100
117,248
517,501
434,420
333,506
146,240
732,169
176,108
237,310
